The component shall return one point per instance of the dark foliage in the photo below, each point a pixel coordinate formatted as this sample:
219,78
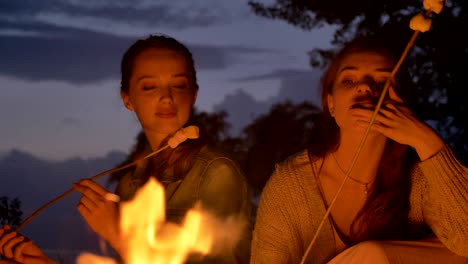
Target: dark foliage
274,136
10,211
270,138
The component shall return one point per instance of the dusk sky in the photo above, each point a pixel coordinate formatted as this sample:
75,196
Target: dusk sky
59,66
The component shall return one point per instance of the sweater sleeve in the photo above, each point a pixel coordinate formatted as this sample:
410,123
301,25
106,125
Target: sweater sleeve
271,232
445,201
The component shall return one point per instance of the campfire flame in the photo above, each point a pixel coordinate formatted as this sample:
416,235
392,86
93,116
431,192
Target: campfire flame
146,238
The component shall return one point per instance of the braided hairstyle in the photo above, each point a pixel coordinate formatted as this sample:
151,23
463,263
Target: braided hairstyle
181,158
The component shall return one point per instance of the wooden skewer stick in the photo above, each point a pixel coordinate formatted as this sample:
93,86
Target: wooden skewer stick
181,135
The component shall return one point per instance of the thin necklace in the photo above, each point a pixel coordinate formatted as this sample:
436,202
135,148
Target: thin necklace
365,184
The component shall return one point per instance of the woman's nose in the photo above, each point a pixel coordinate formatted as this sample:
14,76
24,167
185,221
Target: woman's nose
165,94
367,86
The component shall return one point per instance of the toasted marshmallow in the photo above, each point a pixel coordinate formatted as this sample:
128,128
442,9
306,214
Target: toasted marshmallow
434,5
182,135
420,23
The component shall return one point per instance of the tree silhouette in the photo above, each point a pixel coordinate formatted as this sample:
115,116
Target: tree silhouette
214,125
272,137
217,129
438,61
10,211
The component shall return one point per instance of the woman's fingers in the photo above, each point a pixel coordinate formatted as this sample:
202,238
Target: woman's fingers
6,237
88,192
18,253
94,186
94,196
11,245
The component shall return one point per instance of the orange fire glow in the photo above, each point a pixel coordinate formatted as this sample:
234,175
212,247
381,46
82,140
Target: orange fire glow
148,238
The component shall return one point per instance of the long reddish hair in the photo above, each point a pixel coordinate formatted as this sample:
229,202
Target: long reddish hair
385,214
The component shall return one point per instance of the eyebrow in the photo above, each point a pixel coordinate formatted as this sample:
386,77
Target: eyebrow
356,68
153,76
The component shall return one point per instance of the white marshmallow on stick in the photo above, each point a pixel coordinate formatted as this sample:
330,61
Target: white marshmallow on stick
434,5
420,23
182,135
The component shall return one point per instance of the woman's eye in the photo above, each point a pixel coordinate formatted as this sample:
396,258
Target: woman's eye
180,86
382,83
149,87
348,82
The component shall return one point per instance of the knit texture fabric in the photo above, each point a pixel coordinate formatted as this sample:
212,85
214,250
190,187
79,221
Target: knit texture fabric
291,208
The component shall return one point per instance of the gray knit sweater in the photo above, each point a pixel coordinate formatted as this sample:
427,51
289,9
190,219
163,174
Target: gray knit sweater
291,208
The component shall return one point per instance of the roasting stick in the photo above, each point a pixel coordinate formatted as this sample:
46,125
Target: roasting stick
181,135
377,108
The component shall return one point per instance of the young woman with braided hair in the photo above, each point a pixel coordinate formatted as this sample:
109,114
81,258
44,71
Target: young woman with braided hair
158,84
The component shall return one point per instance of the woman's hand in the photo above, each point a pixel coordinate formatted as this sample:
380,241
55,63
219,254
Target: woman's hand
100,213
17,249
398,123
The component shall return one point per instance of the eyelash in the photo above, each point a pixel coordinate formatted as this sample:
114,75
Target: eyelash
151,87
349,82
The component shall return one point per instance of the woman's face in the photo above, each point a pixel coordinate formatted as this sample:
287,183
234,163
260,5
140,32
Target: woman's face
358,85
161,90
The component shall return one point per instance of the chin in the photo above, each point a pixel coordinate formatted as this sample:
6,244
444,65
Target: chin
169,129
163,129
362,131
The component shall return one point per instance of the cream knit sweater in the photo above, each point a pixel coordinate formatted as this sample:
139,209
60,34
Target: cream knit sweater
291,209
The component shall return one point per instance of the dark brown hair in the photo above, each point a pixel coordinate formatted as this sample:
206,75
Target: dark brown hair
180,159
385,214
152,42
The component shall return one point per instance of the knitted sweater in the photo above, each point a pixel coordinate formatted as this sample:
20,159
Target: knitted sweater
291,208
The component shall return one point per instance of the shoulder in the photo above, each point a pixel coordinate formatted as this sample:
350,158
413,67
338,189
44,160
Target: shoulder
295,163
219,178
212,164
294,171
210,156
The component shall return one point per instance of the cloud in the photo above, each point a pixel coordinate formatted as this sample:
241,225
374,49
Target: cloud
81,56
239,117
175,14
278,74
296,86
70,121
68,40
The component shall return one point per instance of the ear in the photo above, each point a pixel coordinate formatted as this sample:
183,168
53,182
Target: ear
331,106
195,97
126,101
394,96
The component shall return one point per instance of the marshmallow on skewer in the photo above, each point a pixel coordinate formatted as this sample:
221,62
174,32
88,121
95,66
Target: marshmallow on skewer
420,23
182,135
434,5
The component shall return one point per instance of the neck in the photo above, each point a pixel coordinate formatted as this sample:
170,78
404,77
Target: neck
155,139
366,165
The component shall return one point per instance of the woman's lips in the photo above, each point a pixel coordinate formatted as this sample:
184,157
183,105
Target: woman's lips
370,105
167,115
363,105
